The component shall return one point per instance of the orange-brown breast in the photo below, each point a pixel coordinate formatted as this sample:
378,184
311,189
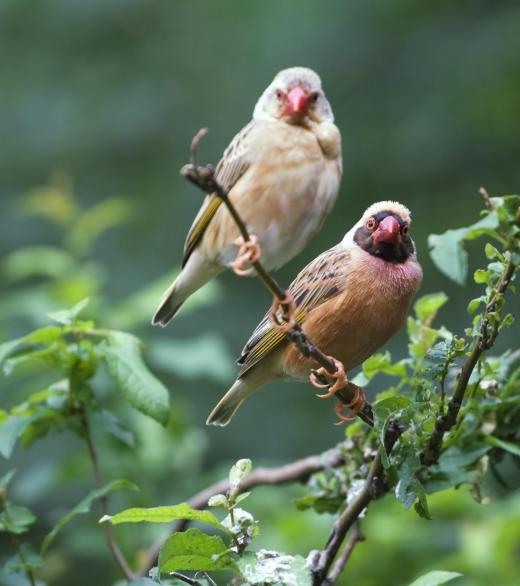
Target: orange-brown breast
356,323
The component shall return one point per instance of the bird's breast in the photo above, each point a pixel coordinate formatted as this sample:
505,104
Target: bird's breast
356,323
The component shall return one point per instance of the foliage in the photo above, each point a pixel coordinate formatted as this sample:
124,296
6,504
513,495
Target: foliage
427,389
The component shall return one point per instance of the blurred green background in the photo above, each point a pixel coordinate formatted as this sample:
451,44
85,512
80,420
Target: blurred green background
98,103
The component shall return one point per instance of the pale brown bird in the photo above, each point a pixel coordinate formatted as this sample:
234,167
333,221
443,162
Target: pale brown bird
282,172
350,300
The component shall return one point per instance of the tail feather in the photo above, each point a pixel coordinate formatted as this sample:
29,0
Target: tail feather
196,272
169,306
229,404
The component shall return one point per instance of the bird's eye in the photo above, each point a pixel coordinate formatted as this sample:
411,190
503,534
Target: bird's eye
371,224
313,98
278,94
405,229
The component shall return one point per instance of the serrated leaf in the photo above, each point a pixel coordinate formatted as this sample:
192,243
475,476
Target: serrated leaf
137,384
435,578
84,507
194,550
163,515
67,316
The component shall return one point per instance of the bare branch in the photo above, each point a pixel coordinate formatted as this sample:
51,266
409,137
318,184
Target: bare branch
320,561
355,537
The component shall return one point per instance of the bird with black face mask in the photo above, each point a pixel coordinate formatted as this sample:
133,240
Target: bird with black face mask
350,300
282,173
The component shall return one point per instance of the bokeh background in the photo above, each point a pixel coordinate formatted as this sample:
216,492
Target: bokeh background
98,103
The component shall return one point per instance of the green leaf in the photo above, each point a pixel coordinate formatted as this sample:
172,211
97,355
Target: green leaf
194,550
84,507
447,250
502,444
11,428
9,347
137,384
67,316
15,519
30,261
184,357
163,515
6,479
271,567
427,306
218,500
435,578
242,468
112,425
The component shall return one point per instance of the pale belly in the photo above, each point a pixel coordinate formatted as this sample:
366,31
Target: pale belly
283,200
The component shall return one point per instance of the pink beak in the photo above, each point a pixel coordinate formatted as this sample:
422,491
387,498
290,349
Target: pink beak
388,231
296,102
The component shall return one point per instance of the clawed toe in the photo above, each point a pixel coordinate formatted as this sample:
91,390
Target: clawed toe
356,405
249,252
282,314
339,377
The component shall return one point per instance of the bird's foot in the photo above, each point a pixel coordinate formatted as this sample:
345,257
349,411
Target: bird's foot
321,379
282,313
249,252
356,405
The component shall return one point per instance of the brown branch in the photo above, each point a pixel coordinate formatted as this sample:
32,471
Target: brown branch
204,179
321,561
103,502
483,342
355,537
298,471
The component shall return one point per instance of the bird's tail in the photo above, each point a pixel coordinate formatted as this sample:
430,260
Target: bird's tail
169,306
196,272
229,404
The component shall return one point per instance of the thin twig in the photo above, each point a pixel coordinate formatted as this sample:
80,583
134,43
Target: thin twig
321,561
298,471
103,502
204,179
186,579
487,200
483,342
355,537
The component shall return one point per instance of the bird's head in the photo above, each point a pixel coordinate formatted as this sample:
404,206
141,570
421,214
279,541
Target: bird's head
294,96
384,232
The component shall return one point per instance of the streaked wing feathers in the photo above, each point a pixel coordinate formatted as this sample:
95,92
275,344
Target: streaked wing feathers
323,278
231,167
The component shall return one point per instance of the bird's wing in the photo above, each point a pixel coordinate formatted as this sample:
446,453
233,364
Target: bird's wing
232,165
322,279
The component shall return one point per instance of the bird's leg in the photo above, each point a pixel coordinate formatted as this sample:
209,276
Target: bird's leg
282,313
318,377
249,252
356,405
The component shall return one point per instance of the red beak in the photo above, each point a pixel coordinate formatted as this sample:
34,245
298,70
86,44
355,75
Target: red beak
296,102
388,231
